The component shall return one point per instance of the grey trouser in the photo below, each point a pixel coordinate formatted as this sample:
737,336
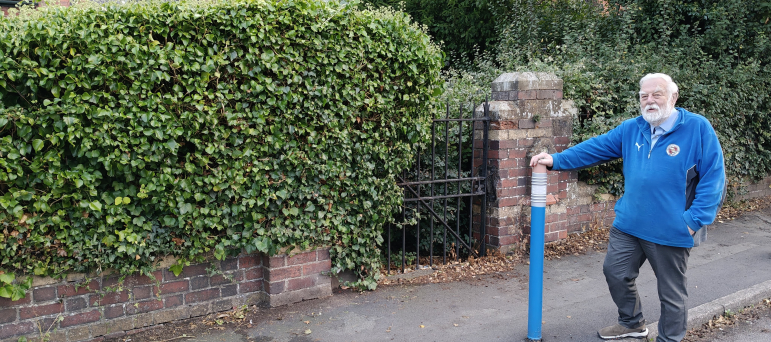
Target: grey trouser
626,254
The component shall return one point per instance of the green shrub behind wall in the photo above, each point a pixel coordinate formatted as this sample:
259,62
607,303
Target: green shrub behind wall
466,28
134,131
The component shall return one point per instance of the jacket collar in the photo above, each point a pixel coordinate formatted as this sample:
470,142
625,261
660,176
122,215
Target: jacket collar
645,127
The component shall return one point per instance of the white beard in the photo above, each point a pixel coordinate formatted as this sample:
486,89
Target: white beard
657,117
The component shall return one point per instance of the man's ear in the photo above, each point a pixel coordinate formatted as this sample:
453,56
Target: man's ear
674,99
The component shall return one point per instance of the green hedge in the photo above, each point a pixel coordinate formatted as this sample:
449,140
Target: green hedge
135,131
718,51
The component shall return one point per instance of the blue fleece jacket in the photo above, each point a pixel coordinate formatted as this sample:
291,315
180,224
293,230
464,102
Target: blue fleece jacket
677,184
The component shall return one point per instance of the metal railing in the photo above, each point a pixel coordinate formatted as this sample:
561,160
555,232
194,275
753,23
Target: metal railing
434,195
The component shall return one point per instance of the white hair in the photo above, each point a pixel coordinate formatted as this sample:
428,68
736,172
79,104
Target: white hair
671,85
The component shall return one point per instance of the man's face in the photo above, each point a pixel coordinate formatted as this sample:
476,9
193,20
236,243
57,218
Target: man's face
655,105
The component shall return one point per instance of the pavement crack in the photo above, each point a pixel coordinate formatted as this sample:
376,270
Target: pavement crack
763,219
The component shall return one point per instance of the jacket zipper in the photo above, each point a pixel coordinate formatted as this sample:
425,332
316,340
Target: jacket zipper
651,149
657,141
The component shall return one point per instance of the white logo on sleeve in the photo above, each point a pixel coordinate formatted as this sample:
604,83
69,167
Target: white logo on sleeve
673,150
638,146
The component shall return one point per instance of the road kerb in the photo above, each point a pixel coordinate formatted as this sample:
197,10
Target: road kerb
734,302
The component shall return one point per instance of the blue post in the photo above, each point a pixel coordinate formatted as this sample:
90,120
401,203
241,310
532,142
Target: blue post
537,223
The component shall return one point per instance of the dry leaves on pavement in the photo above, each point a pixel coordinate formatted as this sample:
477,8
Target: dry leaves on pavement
460,270
732,211
708,330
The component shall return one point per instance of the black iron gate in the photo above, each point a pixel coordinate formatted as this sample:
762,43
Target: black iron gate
429,196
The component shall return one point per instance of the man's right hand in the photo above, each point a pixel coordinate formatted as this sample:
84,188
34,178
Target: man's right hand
542,158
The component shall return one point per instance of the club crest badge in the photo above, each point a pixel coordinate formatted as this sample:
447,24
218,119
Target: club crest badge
673,150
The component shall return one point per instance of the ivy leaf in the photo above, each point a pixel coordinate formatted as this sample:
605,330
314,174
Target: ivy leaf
17,293
118,200
176,269
185,208
7,278
262,244
219,252
40,270
172,145
109,240
37,144
95,206
6,290
138,220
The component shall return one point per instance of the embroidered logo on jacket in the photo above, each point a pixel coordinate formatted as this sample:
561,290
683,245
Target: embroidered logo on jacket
673,150
638,146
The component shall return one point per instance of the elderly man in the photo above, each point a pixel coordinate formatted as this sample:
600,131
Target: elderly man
674,184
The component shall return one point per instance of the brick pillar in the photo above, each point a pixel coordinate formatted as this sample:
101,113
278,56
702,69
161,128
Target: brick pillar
528,116
303,276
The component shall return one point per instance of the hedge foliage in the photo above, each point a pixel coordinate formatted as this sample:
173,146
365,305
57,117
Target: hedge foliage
718,51
134,131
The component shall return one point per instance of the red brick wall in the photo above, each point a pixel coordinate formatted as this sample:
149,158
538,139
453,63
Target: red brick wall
757,189
106,307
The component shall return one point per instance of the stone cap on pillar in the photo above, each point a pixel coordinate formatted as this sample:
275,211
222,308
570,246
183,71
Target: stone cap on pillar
527,95
527,81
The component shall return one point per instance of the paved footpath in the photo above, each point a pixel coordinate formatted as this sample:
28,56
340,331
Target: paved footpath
731,270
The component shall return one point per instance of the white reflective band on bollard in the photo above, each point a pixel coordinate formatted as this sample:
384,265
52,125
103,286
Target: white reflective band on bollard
538,194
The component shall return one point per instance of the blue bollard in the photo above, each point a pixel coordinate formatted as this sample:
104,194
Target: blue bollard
537,223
